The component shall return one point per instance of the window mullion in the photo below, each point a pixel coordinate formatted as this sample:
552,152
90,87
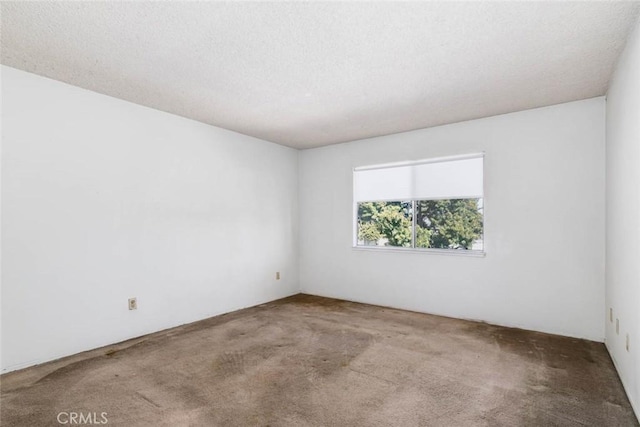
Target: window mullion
413,224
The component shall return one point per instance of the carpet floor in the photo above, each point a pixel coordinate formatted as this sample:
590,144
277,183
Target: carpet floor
311,361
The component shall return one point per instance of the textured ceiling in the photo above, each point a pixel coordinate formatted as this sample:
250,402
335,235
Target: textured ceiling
311,74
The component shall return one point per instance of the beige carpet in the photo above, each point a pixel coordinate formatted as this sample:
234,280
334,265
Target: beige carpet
309,361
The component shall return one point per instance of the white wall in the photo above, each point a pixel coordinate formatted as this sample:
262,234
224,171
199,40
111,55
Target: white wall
623,217
1,365
544,227
103,200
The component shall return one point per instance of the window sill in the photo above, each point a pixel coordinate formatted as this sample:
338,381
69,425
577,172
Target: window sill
450,252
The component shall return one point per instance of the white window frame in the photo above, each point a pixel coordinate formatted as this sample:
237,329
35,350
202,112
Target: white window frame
412,249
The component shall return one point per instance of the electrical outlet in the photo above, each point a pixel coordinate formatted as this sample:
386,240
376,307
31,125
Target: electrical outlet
611,314
618,326
277,275
133,303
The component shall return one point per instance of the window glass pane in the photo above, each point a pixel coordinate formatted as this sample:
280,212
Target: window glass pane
449,224
385,224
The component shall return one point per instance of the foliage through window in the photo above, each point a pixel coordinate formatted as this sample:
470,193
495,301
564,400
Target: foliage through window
452,219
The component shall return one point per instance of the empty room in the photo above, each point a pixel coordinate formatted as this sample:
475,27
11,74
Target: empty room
320,213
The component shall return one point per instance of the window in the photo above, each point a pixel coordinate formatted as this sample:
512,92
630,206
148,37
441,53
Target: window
434,204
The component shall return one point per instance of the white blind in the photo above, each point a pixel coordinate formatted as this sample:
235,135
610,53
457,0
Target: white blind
456,178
